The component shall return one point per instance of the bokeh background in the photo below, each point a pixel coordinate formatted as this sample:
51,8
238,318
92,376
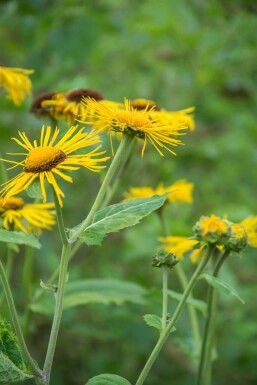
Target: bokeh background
180,54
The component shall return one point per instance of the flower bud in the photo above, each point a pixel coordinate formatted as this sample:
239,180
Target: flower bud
238,238
165,259
212,230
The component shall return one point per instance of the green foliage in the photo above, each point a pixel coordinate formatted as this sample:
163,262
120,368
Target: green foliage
108,379
197,303
12,366
103,291
19,238
34,190
119,216
219,284
154,321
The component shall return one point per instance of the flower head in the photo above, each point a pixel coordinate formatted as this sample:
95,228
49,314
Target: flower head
16,82
177,245
51,158
68,105
139,123
37,104
212,229
27,217
144,104
238,238
250,226
180,191
184,116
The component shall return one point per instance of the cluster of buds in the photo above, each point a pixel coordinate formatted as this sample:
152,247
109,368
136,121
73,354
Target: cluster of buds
221,232
165,259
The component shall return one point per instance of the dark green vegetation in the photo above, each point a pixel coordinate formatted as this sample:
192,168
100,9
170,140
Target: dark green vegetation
178,53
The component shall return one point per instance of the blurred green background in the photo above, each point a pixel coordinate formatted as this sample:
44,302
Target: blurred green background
180,54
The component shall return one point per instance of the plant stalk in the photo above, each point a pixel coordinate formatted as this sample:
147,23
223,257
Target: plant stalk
204,371
164,335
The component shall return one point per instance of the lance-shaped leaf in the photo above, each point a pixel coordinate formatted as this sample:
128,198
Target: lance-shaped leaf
107,379
116,217
217,283
20,238
102,290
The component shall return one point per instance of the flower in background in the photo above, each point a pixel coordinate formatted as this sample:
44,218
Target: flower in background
180,191
185,116
16,214
37,104
68,105
16,82
178,245
250,226
48,159
139,123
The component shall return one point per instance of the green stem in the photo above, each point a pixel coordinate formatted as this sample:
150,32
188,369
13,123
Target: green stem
164,296
205,359
16,324
59,295
183,281
8,270
164,335
118,158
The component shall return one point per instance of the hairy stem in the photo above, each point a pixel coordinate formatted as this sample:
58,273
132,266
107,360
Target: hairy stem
165,333
204,371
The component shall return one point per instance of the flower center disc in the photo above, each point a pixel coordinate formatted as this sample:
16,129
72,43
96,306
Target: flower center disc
42,159
133,120
12,204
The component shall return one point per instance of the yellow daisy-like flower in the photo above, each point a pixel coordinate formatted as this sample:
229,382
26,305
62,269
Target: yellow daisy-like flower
139,123
68,105
177,245
27,217
16,82
49,159
250,225
184,116
144,104
180,191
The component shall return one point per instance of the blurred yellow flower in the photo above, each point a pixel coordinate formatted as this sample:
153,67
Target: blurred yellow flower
139,123
27,217
177,245
250,225
180,191
48,159
212,229
68,105
16,82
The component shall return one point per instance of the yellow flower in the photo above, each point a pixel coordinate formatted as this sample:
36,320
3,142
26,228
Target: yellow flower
144,104
68,105
141,124
178,245
212,229
19,215
16,82
180,191
37,104
250,225
48,159
184,116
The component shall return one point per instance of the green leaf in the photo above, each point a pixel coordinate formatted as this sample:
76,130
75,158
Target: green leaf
34,190
19,238
153,320
108,379
9,345
116,217
198,304
9,372
104,291
217,283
